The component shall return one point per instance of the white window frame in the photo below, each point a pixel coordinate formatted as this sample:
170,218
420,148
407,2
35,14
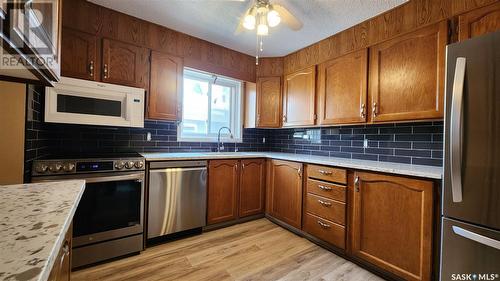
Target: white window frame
236,108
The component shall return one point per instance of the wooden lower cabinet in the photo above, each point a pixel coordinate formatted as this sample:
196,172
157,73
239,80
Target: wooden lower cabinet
325,230
236,189
222,191
284,200
61,270
252,187
392,224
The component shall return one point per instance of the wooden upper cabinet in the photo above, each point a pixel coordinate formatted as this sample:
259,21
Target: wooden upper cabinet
79,55
342,89
252,187
299,98
392,224
165,87
479,22
222,191
285,192
269,102
125,64
406,76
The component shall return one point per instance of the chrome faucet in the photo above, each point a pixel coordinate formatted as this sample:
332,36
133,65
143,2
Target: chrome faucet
220,145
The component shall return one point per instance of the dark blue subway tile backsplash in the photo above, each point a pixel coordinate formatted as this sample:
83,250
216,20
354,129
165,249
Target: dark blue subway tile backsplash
411,143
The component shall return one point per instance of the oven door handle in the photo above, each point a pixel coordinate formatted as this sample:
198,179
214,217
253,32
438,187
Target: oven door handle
136,176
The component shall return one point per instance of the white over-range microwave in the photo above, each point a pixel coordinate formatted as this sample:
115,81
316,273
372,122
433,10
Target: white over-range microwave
77,101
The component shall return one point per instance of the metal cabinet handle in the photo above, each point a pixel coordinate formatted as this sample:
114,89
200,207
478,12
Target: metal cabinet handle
326,204
105,70
91,68
356,184
374,109
323,225
242,165
456,130
325,188
326,173
363,111
284,118
299,172
476,237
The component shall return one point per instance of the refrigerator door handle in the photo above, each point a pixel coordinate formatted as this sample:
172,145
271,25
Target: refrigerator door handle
456,130
476,237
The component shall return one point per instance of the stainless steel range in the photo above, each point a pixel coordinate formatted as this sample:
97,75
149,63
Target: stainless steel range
108,222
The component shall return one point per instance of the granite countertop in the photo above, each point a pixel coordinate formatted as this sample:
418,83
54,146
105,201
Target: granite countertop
386,167
34,220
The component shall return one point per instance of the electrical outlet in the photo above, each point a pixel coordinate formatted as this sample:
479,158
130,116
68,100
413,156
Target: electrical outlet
148,136
365,143
263,140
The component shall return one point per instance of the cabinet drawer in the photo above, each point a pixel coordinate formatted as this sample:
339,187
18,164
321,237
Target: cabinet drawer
325,230
327,173
328,209
326,189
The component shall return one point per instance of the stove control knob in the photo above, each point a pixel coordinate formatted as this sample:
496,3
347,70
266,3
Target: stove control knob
54,168
119,165
139,164
68,167
41,168
129,164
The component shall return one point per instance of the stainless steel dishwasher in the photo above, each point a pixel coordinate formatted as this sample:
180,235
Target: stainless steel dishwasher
177,196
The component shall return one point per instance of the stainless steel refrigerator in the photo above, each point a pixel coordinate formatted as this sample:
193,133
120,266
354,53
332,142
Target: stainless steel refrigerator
470,238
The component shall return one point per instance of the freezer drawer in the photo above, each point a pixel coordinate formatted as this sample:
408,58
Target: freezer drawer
177,199
468,249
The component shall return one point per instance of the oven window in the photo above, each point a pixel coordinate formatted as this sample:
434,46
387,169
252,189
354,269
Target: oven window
92,106
108,206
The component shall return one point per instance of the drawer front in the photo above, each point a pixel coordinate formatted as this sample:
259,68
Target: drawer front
325,230
326,208
327,173
326,189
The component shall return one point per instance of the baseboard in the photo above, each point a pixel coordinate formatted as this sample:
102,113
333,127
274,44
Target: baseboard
232,222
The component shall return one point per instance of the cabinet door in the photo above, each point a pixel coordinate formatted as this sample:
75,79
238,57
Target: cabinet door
79,55
61,270
407,76
342,89
299,98
125,64
252,187
285,192
269,102
479,22
222,191
166,86
399,210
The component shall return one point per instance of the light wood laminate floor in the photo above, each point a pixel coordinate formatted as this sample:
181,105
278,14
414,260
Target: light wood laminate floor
256,250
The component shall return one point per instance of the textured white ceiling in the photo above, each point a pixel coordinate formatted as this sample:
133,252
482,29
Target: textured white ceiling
216,20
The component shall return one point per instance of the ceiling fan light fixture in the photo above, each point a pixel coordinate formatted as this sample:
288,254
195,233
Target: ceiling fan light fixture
262,29
249,22
273,18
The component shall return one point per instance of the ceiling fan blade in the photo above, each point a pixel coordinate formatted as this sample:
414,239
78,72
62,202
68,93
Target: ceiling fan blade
288,18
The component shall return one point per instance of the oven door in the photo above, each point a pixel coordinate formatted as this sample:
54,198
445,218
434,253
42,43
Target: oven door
77,101
111,207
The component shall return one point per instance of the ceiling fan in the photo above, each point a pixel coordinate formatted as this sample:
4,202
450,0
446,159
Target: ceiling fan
261,16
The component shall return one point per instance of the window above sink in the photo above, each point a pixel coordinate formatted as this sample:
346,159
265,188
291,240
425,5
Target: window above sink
210,102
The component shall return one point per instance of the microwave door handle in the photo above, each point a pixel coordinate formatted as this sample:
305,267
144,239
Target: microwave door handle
456,130
476,237
128,107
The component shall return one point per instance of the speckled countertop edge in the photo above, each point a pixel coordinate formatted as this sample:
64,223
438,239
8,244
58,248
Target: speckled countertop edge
48,257
429,172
